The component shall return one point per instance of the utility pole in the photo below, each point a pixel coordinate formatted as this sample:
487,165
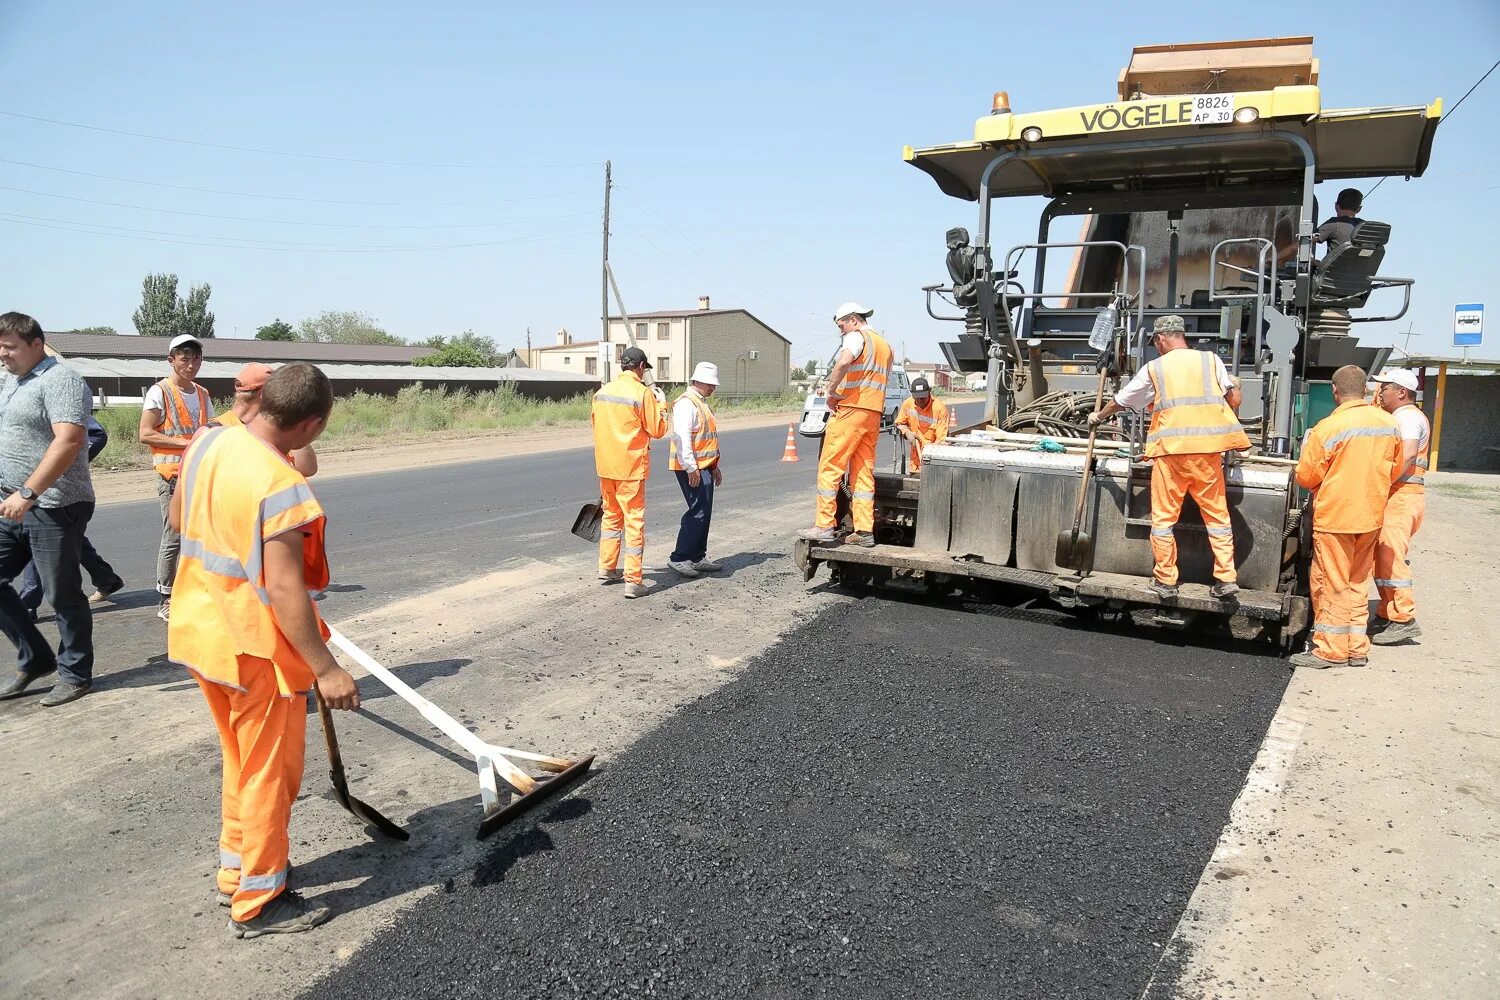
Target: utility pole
604,282
528,347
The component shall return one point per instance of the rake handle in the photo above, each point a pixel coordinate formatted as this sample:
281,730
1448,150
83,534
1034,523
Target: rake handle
1088,458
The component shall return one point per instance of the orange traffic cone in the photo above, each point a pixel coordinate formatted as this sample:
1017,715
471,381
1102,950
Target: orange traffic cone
952,420
790,454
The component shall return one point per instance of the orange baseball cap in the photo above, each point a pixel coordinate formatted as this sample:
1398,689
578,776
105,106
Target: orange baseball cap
252,377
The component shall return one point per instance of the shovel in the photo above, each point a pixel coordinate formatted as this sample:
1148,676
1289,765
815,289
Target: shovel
590,517
341,782
1075,549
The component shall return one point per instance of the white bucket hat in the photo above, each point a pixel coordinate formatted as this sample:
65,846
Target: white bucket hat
706,372
852,309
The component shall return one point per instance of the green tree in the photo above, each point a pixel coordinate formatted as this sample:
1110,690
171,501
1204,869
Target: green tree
337,327
276,330
94,331
467,350
163,314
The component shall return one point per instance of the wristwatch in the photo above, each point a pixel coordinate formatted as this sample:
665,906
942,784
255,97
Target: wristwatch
27,493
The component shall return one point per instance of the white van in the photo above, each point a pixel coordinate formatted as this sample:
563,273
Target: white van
815,410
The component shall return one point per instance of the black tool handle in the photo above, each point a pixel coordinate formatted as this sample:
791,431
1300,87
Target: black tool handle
1088,456
335,759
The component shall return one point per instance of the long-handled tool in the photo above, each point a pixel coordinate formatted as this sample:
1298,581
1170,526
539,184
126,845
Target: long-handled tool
587,524
1075,549
489,760
341,781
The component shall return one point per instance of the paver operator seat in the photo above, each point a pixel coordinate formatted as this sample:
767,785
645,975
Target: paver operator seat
1343,278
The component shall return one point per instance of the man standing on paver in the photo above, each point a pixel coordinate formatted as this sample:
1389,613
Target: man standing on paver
627,415
48,499
248,631
174,410
1396,618
1193,423
856,399
1350,461
923,420
695,460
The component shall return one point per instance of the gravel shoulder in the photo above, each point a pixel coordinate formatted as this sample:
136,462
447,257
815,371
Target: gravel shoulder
1364,854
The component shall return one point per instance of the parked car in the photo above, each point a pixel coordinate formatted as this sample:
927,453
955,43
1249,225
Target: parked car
815,409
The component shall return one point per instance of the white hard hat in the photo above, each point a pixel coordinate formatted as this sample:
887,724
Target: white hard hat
853,309
706,372
1404,377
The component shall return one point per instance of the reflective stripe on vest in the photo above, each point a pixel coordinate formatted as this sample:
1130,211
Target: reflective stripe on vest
177,422
864,383
705,438
1419,463
1189,417
236,491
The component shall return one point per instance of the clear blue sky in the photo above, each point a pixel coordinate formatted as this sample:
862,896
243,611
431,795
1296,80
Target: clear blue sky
757,153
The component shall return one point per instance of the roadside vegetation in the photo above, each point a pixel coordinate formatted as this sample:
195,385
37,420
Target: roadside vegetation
362,418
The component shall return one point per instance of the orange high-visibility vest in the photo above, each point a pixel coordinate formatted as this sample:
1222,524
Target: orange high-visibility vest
705,437
1352,458
1190,415
931,424
177,422
1413,482
625,417
864,383
238,492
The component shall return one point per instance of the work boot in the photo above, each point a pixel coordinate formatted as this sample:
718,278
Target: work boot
19,683
1359,661
818,534
860,539
611,575
63,692
1163,589
1395,633
634,590
707,566
106,592
684,568
288,913
1221,590
1313,660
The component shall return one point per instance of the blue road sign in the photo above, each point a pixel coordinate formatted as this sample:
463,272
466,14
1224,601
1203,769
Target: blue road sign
1468,324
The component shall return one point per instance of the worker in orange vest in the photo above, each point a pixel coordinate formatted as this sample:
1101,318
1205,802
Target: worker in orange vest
696,462
856,400
1194,403
1396,617
245,627
1349,460
247,386
173,411
627,416
922,420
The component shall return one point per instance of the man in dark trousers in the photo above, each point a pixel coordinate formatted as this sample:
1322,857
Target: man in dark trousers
46,500
695,462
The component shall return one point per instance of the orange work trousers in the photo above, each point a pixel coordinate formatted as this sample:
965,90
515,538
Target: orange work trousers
849,447
1174,478
1403,519
624,526
1340,581
263,736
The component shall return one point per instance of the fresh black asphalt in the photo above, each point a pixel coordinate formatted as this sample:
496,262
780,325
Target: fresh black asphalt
897,800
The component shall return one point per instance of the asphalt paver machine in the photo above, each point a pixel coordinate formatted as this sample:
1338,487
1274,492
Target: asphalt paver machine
1184,196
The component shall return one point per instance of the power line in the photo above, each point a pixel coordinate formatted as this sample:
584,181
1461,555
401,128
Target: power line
276,197
298,155
1449,113
295,222
195,240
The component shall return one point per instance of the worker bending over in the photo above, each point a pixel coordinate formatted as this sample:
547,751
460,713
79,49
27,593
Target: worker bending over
1193,423
856,400
174,409
247,386
252,548
923,420
627,415
1349,461
696,462
1396,617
